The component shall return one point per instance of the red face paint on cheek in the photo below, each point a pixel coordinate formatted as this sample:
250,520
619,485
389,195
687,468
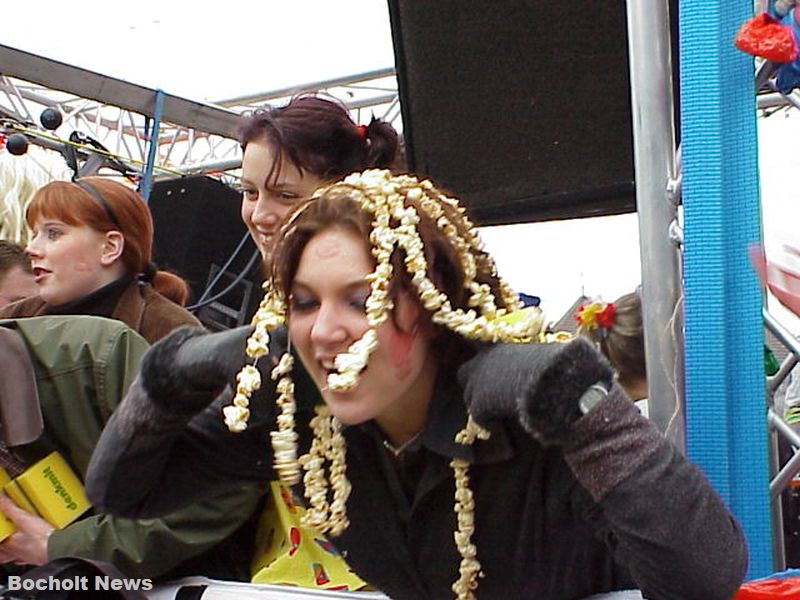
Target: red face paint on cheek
81,266
400,344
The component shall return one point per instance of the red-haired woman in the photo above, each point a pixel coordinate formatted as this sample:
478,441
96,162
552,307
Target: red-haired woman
91,255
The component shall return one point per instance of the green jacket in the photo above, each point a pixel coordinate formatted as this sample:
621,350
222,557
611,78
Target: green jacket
83,366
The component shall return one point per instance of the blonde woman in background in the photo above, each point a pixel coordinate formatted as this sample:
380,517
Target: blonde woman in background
20,177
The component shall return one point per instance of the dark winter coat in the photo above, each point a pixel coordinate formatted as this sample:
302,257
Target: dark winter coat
615,507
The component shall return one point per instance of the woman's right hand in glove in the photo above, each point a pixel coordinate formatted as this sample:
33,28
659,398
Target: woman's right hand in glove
190,366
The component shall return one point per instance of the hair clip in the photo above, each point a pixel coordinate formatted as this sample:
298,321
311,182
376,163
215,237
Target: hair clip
596,315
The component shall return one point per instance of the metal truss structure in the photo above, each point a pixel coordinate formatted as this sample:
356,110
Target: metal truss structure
113,121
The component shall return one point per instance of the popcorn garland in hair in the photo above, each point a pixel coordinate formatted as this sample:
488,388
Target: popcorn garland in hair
394,226
384,197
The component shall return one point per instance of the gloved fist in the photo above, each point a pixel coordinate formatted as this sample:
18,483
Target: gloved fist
190,366
540,385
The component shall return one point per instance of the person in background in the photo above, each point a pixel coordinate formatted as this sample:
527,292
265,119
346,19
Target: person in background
90,254
289,151
617,331
16,277
70,373
90,251
447,458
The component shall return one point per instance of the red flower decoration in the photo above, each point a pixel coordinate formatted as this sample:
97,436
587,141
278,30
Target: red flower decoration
596,314
605,318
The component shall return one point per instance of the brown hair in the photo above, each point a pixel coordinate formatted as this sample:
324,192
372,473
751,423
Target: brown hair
318,135
13,255
338,207
119,208
623,342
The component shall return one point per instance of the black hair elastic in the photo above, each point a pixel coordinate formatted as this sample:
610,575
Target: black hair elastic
97,197
149,272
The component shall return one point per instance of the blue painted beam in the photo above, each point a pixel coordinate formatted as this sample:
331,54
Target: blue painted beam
726,425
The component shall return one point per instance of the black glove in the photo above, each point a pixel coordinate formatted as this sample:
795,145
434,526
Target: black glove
538,384
187,368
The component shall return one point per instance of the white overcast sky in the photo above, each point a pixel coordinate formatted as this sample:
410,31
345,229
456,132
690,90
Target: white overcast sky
209,51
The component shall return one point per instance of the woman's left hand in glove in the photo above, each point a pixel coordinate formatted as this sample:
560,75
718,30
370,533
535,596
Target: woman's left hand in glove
541,385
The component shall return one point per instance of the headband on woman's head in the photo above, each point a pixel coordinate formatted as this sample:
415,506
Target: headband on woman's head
97,197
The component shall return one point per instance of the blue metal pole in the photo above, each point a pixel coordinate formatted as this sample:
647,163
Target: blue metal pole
726,418
147,176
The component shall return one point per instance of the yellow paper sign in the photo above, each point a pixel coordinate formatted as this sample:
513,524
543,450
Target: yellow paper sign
289,553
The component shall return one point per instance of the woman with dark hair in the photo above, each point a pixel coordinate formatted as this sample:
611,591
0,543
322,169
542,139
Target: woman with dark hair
90,251
289,151
445,456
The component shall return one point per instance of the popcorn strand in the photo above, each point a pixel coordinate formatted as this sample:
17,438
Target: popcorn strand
470,568
236,414
314,482
284,441
328,443
270,314
349,364
340,485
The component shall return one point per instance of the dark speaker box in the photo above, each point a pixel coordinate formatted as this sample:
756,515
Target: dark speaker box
520,108
197,229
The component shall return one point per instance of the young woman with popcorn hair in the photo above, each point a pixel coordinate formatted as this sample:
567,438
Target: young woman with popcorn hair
448,454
